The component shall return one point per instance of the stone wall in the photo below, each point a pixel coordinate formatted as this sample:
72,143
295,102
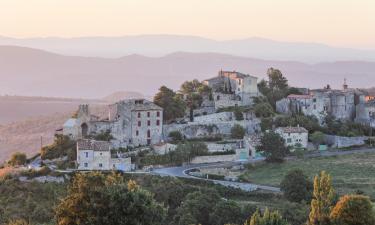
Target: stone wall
196,130
223,116
212,159
343,142
217,147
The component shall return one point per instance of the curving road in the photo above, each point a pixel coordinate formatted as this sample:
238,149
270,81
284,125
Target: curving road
182,172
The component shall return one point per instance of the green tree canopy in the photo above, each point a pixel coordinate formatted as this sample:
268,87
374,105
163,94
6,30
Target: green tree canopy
296,186
268,218
97,199
322,201
353,210
172,103
226,212
237,131
273,147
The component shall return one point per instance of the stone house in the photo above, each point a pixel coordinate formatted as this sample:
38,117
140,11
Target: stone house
132,123
96,155
231,88
366,113
294,136
341,104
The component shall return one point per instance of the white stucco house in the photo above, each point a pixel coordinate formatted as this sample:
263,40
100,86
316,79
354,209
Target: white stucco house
96,155
294,136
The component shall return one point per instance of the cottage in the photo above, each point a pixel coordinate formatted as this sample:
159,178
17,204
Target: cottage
231,88
96,155
133,122
294,136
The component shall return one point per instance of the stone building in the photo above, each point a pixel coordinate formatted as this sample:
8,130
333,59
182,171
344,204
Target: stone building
366,113
96,155
341,104
134,122
231,88
294,136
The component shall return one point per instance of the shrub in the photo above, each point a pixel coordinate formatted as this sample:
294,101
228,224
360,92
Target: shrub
176,136
62,146
17,159
237,131
353,210
296,186
273,147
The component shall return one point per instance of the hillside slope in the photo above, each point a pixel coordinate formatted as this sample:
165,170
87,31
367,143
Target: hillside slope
26,71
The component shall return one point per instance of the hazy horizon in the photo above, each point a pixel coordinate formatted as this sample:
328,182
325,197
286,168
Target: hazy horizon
337,23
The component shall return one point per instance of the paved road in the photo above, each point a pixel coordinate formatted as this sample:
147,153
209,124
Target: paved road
182,172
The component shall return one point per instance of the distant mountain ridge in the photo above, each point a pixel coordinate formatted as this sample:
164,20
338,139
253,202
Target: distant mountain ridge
26,71
161,45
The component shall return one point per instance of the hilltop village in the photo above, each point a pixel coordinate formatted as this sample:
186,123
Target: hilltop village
227,115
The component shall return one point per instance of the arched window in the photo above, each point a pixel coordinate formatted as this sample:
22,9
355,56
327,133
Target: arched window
85,130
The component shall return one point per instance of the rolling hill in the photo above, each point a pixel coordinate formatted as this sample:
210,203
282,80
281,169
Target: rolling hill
26,71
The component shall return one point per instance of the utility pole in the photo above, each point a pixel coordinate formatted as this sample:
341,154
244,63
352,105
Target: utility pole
41,141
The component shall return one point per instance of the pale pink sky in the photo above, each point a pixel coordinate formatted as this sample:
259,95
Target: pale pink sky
349,23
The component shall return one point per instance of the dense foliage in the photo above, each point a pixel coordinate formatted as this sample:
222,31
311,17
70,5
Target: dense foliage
268,218
96,199
172,103
296,186
273,147
237,131
353,210
62,146
17,159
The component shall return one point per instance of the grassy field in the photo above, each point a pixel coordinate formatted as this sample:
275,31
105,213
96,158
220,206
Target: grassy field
349,172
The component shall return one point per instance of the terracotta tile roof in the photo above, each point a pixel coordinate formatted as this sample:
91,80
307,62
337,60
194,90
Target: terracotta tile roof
87,144
292,129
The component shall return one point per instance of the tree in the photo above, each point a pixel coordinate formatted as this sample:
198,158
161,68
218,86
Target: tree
275,88
317,138
104,136
193,92
263,110
97,199
226,212
197,207
60,147
18,222
268,218
273,147
17,159
237,131
172,103
322,201
296,186
176,136
353,210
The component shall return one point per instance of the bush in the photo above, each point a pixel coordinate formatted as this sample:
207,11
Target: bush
264,110
317,138
103,136
353,210
296,186
176,136
17,159
273,147
237,131
62,146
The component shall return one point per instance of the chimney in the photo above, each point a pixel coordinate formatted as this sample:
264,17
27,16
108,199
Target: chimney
345,86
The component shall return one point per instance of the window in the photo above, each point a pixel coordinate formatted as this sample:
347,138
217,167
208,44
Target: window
136,133
100,165
148,123
101,153
86,165
314,100
158,114
148,133
314,106
148,114
218,97
157,122
139,123
139,115
86,154
289,140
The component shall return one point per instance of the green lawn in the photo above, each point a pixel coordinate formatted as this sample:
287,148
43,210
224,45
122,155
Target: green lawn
349,172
